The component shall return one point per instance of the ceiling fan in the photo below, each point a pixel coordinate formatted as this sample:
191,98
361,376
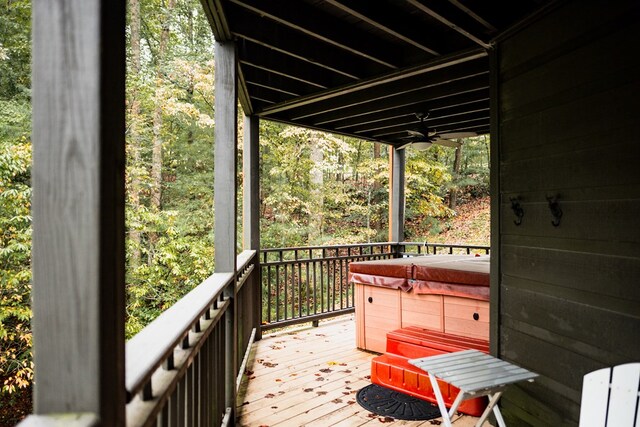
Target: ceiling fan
425,137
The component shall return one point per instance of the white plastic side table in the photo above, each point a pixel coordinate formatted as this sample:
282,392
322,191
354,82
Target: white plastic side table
475,374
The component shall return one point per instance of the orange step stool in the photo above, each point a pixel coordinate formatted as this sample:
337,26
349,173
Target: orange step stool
392,369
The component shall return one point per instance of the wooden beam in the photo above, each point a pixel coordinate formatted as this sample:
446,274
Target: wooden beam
396,88
416,97
251,195
262,58
457,23
474,15
406,73
322,26
453,122
78,207
496,196
435,118
251,212
225,196
378,17
433,106
397,184
277,82
282,39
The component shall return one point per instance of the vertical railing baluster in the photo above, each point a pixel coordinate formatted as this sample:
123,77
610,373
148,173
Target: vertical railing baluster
180,402
315,283
286,291
299,281
277,292
307,294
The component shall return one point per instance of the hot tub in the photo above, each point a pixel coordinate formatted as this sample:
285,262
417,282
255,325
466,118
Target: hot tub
443,293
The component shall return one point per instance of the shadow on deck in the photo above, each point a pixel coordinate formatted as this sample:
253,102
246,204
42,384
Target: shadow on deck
310,377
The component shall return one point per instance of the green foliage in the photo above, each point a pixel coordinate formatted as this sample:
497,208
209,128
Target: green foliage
15,273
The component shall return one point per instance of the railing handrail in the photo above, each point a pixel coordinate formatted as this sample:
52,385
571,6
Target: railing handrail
361,245
149,348
350,245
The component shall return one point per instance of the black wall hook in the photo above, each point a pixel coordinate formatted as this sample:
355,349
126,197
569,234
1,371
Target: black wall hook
516,207
556,211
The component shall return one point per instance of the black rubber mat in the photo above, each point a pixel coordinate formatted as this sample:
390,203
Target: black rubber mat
391,403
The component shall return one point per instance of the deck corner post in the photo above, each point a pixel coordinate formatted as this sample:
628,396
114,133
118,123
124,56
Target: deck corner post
224,201
396,198
78,208
251,211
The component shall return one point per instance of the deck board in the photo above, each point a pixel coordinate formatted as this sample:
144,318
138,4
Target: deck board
310,377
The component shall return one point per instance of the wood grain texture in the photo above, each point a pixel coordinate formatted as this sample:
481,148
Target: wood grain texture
309,377
78,207
397,197
225,142
567,111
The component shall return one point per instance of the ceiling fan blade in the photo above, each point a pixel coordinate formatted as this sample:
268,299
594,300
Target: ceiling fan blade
455,135
402,147
415,134
447,142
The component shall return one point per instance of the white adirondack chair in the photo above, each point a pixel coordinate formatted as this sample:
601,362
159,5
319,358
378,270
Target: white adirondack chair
611,400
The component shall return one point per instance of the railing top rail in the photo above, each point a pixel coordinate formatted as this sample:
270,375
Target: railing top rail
244,258
351,245
358,245
444,245
148,349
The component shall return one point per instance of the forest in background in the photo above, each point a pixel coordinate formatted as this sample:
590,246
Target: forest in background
316,188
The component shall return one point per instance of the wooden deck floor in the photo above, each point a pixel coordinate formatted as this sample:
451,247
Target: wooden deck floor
310,377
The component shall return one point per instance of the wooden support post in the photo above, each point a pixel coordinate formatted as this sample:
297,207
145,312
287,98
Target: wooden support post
251,211
78,207
495,274
396,191
225,193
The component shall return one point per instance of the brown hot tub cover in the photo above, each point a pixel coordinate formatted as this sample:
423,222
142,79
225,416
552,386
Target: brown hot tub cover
456,275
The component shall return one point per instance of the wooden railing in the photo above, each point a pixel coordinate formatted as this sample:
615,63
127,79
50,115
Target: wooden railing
303,284
177,367
424,248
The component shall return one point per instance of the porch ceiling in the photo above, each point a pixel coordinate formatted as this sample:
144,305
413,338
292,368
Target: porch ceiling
364,68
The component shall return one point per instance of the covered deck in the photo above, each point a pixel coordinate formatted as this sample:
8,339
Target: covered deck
564,96
309,377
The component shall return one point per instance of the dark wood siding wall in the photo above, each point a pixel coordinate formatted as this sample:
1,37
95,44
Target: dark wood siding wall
569,125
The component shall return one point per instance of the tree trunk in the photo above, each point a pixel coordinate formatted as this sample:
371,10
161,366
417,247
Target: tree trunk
134,117
453,193
317,199
156,153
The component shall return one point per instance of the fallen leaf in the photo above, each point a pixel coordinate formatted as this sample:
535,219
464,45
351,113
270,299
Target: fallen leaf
326,370
252,377
347,371
321,393
245,403
347,388
386,420
270,395
336,401
367,377
332,363
343,364
307,390
248,372
320,379
435,422
278,380
274,407
269,364
293,375
346,393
